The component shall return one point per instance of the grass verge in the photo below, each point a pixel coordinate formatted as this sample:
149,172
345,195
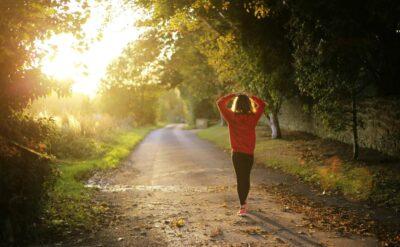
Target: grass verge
71,205
325,163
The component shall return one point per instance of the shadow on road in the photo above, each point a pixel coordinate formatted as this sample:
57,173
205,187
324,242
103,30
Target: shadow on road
297,239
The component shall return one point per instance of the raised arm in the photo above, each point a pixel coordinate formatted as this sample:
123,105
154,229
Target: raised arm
260,107
222,104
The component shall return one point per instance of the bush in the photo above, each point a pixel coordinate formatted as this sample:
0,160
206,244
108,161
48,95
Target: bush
25,179
25,175
69,145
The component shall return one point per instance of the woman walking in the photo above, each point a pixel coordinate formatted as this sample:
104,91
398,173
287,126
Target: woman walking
242,119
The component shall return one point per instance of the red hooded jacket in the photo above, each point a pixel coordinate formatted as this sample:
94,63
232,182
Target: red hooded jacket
242,127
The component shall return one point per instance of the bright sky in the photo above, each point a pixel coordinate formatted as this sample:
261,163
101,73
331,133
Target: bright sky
86,68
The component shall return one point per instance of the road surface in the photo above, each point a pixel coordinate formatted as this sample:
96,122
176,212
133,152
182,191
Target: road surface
178,190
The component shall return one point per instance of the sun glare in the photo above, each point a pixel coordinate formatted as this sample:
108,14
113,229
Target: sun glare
63,59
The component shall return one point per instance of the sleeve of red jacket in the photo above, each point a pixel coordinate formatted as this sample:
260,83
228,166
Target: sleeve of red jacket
260,107
223,106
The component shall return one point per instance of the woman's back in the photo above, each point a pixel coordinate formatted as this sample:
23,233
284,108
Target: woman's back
241,125
242,133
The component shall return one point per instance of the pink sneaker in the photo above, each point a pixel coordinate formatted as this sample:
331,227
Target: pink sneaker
243,210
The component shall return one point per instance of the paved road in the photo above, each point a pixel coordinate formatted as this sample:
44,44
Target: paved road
178,190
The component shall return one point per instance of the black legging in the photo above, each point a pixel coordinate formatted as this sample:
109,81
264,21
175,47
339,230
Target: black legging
243,164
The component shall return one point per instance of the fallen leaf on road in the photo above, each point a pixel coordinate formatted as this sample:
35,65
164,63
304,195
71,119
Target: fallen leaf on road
179,223
216,232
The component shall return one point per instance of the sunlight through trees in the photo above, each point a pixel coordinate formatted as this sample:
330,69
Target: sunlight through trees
78,78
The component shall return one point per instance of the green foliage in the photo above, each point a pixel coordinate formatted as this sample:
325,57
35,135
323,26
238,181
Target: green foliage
258,50
188,70
137,103
336,52
340,48
22,23
134,66
130,88
386,188
24,176
71,130
75,120
243,51
25,179
330,66
26,130
171,107
70,145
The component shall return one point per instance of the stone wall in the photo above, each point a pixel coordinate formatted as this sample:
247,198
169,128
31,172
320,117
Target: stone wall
381,130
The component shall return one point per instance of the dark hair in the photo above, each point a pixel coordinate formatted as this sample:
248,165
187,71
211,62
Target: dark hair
242,105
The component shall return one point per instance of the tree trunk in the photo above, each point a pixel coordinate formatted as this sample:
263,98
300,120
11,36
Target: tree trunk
274,124
355,128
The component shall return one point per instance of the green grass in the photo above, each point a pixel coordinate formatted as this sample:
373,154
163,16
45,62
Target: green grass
357,181
70,204
217,134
